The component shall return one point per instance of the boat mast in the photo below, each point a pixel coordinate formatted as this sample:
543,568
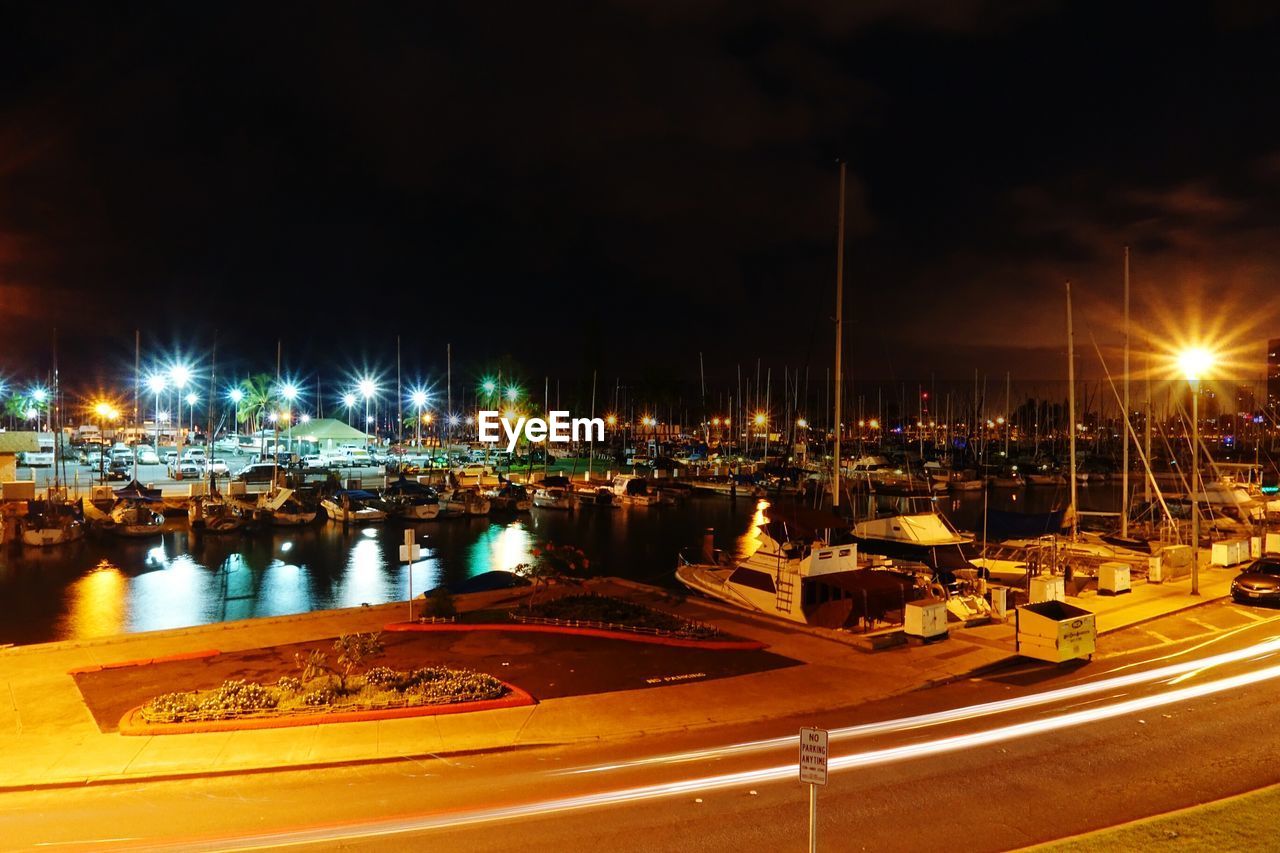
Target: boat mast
1146,484
1071,411
835,465
1124,456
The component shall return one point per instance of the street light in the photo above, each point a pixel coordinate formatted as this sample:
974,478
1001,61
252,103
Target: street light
105,412
367,389
1194,363
348,400
419,398
156,383
236,395
290,392
179,375
191,406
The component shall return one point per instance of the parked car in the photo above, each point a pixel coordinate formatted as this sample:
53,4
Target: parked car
196,453
36,458
184,469
228,444
356,457
147,455
217,467
314,461
257,472
170,457
1259,583
120,469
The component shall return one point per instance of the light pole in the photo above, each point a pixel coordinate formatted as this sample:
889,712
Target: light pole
236,396
191,410
105,412
367,389
290,392
179,374
156,384
419,400
348,400
1194,362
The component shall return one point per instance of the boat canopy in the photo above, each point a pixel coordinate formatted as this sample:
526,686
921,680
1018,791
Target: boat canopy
355,494
404,486
554,481
276,500
926,528
136,491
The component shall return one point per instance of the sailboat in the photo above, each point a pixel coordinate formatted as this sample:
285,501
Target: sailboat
214,514
53,521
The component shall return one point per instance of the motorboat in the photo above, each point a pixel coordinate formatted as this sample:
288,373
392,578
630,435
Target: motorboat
510,497
282,508
352,506
409,500
796,569
601,496
462,501
51,522
924,537
212,514
633,489
129,511
553,497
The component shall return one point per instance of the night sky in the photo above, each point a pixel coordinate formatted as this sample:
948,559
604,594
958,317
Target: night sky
622,185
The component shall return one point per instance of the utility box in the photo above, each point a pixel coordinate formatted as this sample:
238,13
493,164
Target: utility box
1155,569
999,601
1055,631
20,490
1273,543
925,619
237,488
1047,588
1222,554
1255,547
1113,579
1175,562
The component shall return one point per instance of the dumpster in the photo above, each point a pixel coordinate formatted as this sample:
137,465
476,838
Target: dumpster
1055,631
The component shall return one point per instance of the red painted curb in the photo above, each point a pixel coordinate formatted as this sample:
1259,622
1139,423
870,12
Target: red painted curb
132,724
207,653
516,627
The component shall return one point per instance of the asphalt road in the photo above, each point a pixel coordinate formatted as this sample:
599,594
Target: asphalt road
1068,750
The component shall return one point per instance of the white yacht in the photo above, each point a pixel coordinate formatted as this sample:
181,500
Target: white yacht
351,506
793,570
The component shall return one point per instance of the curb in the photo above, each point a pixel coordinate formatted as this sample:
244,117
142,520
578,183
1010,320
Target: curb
711,645
1147,619
132,724
1142,821
200,655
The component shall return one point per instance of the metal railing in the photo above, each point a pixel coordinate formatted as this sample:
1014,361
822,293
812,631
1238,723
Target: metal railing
693,631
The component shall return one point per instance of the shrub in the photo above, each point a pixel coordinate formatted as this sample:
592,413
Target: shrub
382,676
238,697
324,694
439,604
603,608
289,685
175,705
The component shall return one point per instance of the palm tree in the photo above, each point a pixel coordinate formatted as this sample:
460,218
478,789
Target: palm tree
15,407
258,399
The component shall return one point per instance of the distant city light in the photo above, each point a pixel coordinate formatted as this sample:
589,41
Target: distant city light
273,417
760,419
306,419
512,393
802,423
489,386
39,395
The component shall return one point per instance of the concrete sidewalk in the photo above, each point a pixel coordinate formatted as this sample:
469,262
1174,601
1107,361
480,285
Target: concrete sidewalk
49,738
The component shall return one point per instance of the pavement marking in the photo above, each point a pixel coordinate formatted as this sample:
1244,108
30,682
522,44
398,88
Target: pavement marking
1203,624
1254,616
1161,637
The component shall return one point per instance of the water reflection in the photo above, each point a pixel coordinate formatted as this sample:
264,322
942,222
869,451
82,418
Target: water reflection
96,602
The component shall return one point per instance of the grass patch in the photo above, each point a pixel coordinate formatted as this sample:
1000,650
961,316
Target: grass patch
611,611
1249,822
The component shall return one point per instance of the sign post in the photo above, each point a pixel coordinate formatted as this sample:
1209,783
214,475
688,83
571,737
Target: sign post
813,772
409,552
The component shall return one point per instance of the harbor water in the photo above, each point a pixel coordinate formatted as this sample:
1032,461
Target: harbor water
102,586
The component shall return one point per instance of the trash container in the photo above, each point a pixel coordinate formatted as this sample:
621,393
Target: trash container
1055,631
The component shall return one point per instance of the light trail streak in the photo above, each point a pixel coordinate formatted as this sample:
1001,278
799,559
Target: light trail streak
968,712
775,773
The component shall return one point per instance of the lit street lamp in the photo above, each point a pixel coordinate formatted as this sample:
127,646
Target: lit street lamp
1193,364
419,400
290,392
179,375
236,395
348,400
191,407
105,412
157,383
367,389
